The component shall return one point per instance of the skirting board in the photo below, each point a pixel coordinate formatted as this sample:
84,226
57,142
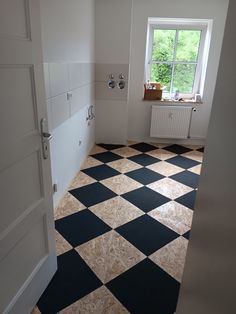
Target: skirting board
188,141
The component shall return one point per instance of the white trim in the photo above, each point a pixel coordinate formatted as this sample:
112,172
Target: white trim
174,58
179,26
177,21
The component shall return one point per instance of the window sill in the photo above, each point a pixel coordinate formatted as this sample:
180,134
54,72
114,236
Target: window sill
173,102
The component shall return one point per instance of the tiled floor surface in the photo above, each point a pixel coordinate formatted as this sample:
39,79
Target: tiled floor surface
122,231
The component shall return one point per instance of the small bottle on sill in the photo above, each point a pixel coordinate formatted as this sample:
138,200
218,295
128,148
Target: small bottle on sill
176,97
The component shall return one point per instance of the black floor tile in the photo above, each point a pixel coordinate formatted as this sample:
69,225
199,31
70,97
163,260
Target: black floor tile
101,172
147,234
145,199
183,162
188,199
188,178
110,146
201,149
146,289
187,235
143,147
92,194
144,159
107,157
73,280
144,176
81,227
177,149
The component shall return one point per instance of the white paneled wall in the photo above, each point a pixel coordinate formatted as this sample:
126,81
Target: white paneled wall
68,31
58,78
83,96
70,146
70,92
60,109
69,88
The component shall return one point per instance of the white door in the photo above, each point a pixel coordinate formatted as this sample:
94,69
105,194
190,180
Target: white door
27,253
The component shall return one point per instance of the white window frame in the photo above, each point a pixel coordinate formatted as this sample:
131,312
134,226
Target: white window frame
181,24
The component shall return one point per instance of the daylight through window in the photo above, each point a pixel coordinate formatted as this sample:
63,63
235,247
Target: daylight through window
175,57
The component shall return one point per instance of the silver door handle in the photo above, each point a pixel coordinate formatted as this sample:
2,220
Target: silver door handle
47,136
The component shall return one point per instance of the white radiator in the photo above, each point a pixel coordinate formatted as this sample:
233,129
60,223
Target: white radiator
170,121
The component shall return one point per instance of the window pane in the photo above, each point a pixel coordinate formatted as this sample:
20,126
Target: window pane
161,73
188,45
184,75
163,45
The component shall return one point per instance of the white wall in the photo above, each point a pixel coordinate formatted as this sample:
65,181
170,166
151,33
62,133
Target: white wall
68,30
113,21
112,37
121,28
68,38
209,278
139,111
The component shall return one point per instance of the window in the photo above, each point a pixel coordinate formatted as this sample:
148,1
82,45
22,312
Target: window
175,55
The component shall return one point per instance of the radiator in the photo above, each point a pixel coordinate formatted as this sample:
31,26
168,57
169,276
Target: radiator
170,121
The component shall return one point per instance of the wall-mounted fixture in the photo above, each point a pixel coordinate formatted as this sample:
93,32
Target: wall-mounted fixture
121,83
171,121
90,113
111,83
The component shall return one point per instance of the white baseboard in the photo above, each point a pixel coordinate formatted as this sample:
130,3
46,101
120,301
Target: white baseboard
188,141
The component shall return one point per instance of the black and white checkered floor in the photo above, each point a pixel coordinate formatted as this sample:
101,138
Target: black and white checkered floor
122,231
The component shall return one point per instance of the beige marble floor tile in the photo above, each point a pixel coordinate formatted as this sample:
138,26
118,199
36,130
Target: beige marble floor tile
124,165
195,155
109,255
121,184
161,154
171,257
154,144
130,142
62,246
165,168
174,215
116,211
80,180
170,188
194,147
68,206
126,151
197,169
35,311
91,162
97,150
163,145
100,301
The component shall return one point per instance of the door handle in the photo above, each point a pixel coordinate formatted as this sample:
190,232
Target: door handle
45,138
